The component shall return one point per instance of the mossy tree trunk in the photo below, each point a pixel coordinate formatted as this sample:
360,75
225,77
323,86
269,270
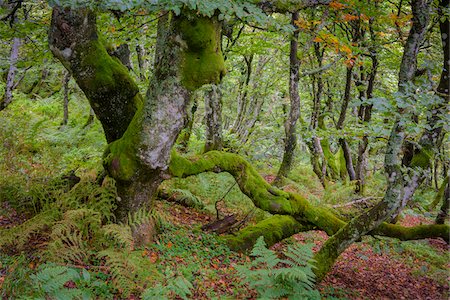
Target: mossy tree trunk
10,78
142,62
365,115
443,212
290,139
185,135
140,132
292,212
213,118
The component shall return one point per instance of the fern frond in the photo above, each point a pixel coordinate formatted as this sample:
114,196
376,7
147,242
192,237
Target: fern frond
19,235
129,270
272,281
185,197
119,236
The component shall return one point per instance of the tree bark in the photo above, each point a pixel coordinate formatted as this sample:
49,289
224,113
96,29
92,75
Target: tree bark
419,159
142,63
123,54
66,98
443,212
365,117
290,141
106,83
14,55
242,97
185,135
213,117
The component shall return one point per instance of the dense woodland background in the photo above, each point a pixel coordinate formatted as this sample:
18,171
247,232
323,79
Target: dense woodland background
317,121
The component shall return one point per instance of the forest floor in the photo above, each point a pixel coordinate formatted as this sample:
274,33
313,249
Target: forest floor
367,270
371,269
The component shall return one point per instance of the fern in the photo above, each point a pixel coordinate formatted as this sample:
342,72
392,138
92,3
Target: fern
118,236
174,286
51,280
272,280
129,270
73,236
18,236
185,197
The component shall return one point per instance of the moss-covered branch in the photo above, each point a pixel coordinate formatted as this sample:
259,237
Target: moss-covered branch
273,229
111,91
297,213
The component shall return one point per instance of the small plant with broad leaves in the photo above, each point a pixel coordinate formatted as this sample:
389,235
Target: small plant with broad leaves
273,277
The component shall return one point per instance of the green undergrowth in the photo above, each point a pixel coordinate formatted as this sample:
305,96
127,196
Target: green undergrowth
200,258
33,140
211,187
425,259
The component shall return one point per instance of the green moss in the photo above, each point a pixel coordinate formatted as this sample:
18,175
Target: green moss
120,158
202,60
422,158
332,164
250,182
274,229
108,86
414,233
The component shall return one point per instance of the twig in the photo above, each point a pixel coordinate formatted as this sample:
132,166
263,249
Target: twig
360,200
221,199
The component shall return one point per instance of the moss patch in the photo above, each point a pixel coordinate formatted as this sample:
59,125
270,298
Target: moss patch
274,229
203,60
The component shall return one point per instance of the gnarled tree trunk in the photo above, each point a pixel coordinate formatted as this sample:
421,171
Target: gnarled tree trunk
140,132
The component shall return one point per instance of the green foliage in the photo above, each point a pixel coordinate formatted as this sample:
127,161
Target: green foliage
50,280
130,271
274,278
186,197
54,282
17,237
338,193
172,286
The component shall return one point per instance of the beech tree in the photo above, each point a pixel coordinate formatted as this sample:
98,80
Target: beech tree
141,130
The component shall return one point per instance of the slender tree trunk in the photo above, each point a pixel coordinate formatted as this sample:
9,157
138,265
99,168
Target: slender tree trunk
443,213
185,135
13,57
242,97
254,102
142,63
340,124
365,117
372,218
123,54
66,98
90,118
290,141
213,117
